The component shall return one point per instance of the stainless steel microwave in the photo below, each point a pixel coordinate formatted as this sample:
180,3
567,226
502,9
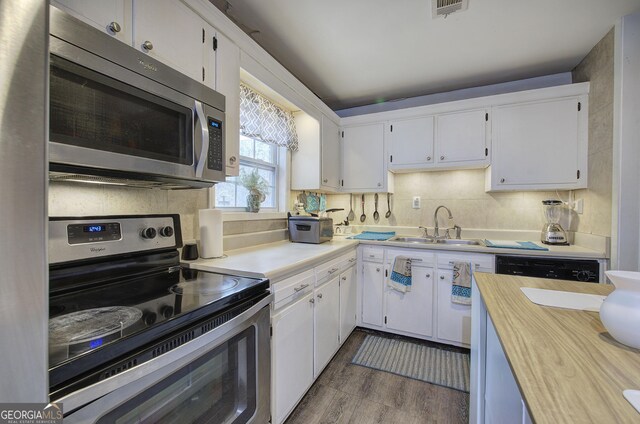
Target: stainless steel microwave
118,116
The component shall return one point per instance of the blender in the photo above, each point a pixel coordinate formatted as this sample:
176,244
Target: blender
552,231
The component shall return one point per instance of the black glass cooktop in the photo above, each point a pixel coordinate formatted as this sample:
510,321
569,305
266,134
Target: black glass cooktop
92,326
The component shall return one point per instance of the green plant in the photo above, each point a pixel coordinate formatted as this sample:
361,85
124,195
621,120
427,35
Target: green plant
254,183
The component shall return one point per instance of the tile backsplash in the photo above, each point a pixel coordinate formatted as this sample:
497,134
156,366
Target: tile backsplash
461,191
76,199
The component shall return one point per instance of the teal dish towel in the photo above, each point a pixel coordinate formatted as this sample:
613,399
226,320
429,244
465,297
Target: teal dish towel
507,244
461,283
401,274
374,235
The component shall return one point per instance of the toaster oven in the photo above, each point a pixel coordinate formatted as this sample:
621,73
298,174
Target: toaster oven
310,229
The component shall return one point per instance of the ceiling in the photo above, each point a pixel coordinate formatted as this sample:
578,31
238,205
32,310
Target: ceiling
357,52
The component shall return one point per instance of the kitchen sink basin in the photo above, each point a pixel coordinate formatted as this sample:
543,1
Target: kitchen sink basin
461,242
417,240
423,240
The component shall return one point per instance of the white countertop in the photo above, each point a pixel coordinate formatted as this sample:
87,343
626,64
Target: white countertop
274,261
280,260
573,251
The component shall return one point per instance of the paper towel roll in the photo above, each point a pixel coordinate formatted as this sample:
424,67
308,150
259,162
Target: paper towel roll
210,233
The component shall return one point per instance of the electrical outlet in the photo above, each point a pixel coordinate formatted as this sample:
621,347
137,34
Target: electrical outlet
578,206
416,202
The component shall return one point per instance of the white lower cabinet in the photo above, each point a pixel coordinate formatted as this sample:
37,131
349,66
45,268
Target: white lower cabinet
292,356
454,320
411,312
348,302
326,324
313,313
426,311
372,293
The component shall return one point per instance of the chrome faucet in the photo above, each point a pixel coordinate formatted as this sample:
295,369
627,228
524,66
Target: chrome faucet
436,234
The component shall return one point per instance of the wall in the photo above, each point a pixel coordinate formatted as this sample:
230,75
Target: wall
77,199
461,191
597,67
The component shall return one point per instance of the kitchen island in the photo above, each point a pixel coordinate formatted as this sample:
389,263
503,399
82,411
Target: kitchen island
541,364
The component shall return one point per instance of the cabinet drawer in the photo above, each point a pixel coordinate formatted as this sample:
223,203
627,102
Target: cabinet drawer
291,289
419,257
372,254
348,261
327,270
481,262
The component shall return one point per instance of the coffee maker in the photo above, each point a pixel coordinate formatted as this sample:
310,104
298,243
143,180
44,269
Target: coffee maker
552,231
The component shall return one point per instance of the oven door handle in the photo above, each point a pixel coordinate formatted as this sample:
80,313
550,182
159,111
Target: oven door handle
201,158
168,363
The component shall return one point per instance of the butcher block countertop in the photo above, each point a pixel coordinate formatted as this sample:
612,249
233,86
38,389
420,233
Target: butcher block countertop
567,366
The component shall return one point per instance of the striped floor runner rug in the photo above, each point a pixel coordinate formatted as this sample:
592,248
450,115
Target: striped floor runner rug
430,364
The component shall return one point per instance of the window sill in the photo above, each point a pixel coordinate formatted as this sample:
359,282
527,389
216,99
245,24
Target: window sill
250,216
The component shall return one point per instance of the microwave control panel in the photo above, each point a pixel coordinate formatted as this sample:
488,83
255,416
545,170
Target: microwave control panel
215,160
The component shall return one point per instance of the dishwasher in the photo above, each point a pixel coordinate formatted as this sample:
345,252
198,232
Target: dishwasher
584,270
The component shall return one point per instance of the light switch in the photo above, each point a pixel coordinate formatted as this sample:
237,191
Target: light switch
416,202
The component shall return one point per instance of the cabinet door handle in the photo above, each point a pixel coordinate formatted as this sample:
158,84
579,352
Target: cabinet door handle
319,295
353,260
147,45
428,158
302,287
442,277
502,180
377,269
441,157
114,27
325,180
232,160
428,275
379,184
344,278
312,300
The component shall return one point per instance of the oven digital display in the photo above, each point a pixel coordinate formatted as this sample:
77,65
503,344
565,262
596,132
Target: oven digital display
91,233
94,228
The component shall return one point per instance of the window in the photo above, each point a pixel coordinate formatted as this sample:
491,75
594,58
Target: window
254,154
266,129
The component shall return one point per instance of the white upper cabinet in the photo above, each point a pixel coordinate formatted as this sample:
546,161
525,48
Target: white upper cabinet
330,146
316,164
363,155
461,138
167,30
540,145
112,17
227,67
411,142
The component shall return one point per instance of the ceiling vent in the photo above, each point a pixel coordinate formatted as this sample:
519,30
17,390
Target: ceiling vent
447,7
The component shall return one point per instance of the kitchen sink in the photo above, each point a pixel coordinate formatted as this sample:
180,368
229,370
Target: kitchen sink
423,240
417,240
461,242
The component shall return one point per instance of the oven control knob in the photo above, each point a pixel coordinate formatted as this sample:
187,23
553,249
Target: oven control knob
166,231
583,275
148,233
149,318
166,311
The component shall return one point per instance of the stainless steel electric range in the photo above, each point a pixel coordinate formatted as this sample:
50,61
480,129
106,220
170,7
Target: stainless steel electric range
133,337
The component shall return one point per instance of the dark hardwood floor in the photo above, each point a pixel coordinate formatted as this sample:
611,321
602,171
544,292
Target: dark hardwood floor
346,393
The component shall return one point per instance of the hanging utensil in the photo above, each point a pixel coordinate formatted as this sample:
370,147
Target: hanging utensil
363,216
388,214
352,215
376,215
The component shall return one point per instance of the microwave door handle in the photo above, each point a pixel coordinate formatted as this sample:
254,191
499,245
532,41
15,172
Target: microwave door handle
201,159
